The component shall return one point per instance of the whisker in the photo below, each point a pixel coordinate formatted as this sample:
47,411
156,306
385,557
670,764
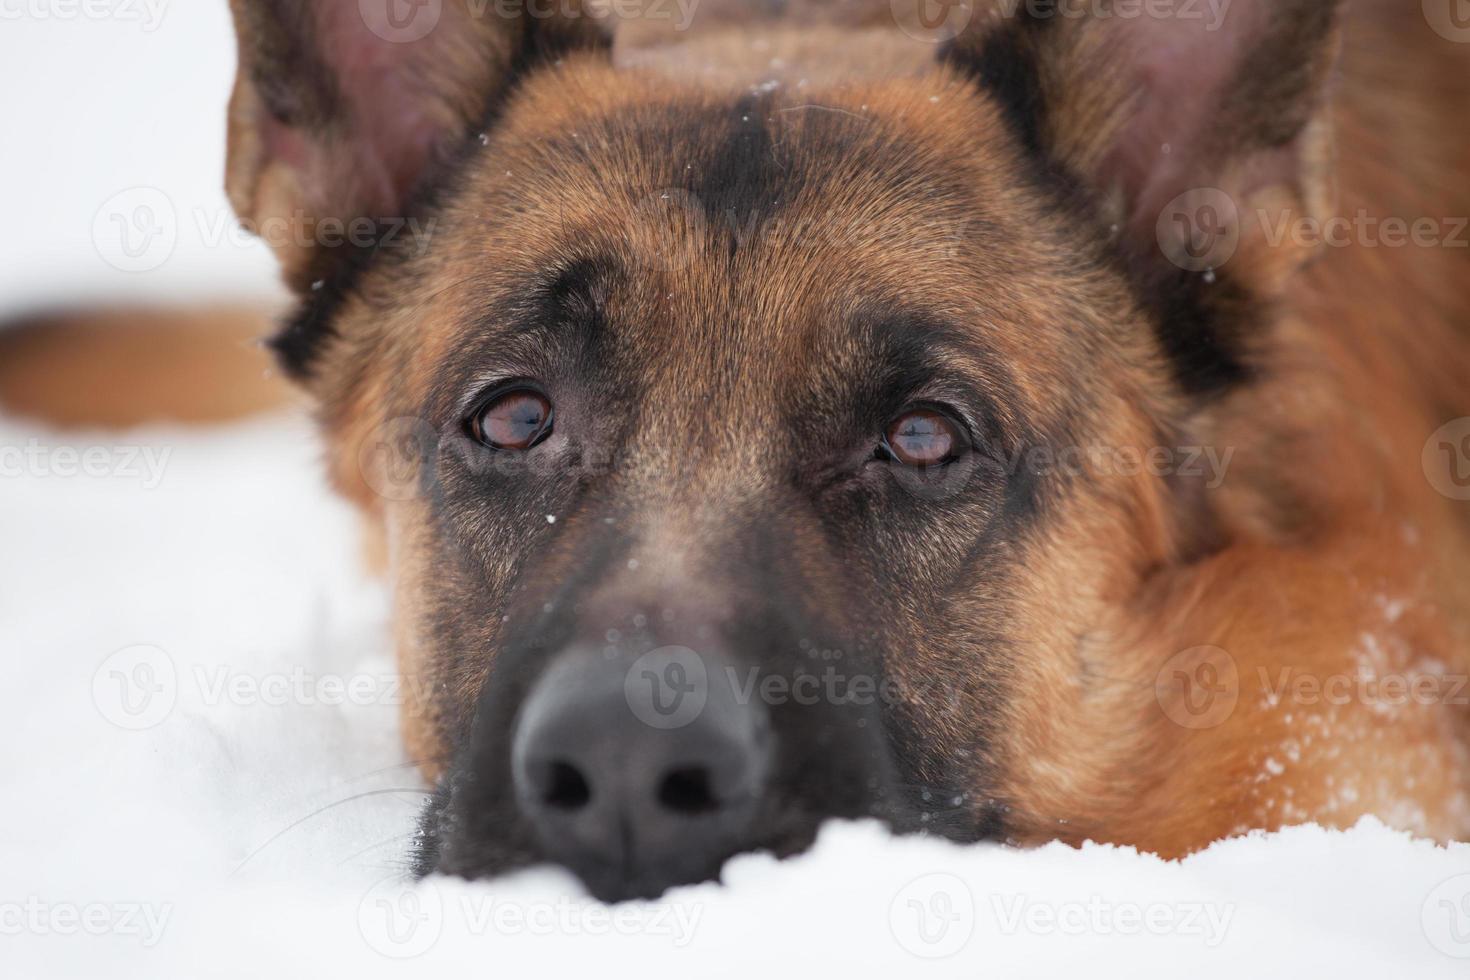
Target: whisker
373,847
396,767
317,812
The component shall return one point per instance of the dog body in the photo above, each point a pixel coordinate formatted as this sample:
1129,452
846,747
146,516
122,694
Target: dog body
988,410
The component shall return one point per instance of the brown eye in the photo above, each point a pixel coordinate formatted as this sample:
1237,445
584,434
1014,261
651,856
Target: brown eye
515,420
923,437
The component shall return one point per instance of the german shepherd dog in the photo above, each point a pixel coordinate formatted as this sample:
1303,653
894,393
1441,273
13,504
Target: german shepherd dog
1022,421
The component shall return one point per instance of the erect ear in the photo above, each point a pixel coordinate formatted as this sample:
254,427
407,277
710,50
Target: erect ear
343,110
1179,121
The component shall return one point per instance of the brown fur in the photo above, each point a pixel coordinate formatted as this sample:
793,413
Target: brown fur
123,368
1326,552
1045,659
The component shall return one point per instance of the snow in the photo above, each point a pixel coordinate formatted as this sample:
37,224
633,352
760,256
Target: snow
198,736
202,767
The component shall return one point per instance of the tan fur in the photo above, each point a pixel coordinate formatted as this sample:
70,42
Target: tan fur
1326,553
1360,579
123,368
1367,582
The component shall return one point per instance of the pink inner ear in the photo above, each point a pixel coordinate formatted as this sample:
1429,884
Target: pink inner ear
391,135
1183,71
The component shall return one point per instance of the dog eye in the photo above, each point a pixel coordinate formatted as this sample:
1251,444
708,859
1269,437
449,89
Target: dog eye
516,420
924,437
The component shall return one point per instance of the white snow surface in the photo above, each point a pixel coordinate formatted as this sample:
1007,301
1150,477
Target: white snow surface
203,778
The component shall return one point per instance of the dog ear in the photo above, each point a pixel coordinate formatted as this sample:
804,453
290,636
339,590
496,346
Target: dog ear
1174,123
343,111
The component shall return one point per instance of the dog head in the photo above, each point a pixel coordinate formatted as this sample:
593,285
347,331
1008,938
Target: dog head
735,434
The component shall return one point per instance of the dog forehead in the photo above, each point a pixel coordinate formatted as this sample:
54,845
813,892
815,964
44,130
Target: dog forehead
749,202
752,227
745,155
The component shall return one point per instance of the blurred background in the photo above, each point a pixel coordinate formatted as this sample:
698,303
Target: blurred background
119,243
113,162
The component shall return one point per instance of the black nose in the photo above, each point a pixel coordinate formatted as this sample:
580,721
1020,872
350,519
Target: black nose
640,773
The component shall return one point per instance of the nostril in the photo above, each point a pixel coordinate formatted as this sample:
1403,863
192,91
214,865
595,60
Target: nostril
687,791
567,788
